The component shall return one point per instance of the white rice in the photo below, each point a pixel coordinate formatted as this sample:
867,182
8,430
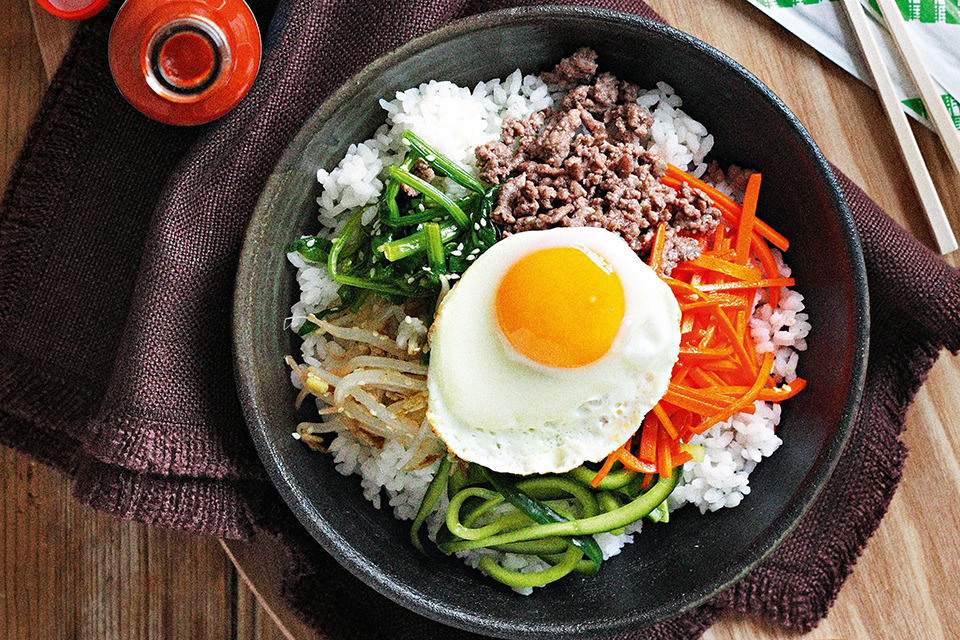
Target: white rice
455,120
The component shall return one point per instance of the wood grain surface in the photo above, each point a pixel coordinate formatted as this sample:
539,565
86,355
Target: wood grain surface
69,572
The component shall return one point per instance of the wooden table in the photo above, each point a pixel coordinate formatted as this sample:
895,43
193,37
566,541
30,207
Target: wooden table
69,572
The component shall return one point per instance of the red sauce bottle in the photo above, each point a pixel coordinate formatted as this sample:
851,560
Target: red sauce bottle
73,9
184,62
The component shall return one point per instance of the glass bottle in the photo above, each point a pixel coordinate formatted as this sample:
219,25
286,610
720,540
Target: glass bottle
184,62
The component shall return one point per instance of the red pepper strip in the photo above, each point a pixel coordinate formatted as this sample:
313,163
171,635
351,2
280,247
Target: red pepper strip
748,218
647,479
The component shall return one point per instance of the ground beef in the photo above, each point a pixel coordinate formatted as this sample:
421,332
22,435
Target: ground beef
584,164
576,69
735,177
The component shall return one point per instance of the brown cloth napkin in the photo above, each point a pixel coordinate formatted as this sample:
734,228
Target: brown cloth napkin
119,240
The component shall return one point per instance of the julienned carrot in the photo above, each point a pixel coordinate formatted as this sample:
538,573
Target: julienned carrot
664,454
756,284
721,300
737,341
713,263
656,253
748,218
605,469
745,401
705,353
706,335
727,205
665,421
769,264
633,463
648,439
687,398
783,392
623,456
718,372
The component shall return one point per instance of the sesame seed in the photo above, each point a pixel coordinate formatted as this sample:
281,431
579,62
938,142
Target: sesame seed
476,226
483,222
471,257
456,252
296,436
430,157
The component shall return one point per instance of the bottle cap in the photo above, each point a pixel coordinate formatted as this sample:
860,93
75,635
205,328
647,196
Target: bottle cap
184,62
73,9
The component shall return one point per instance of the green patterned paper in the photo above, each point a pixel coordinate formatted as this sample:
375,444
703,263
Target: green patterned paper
953,108
929,11
936,30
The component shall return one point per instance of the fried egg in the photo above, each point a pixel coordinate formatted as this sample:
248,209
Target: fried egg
549,351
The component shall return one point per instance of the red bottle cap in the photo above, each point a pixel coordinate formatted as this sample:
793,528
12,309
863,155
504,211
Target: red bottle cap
73,9
185,62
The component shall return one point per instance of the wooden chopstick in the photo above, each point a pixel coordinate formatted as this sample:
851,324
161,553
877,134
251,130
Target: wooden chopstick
936,109
927,192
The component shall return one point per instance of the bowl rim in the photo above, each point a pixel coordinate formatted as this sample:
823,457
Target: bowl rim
329,538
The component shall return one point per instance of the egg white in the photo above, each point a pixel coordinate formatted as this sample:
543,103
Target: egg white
493,406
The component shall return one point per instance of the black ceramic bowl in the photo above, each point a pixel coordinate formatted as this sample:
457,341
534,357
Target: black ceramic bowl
670,568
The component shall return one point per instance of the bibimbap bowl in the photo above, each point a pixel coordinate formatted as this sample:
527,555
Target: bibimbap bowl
669,567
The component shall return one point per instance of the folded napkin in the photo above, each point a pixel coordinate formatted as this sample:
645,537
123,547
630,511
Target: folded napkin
119,240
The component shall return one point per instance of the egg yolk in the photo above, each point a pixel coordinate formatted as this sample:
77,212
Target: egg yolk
560,307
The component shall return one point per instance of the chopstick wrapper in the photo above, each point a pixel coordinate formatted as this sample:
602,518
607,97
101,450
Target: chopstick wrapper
119,240
933,26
